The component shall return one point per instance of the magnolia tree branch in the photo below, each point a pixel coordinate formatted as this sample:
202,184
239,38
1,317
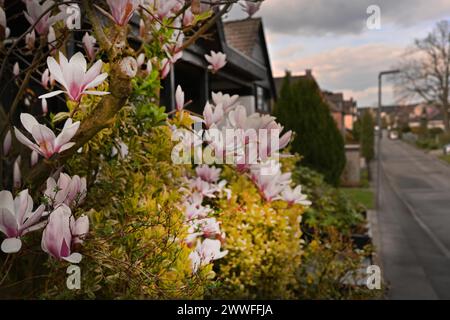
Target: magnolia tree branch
101,37
203,29
103,115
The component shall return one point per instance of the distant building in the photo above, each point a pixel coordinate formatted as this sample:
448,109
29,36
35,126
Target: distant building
343,111
412,115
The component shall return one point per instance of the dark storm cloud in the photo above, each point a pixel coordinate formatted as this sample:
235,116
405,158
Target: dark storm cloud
345,16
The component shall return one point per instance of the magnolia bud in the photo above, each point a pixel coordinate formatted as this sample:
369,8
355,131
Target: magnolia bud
16,69
45,78
17,175
30,39
34,158
44,106
149,66
7,143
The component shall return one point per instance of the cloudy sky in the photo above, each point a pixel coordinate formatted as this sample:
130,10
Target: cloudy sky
331,38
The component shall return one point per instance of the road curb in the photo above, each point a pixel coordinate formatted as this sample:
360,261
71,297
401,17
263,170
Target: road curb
374,233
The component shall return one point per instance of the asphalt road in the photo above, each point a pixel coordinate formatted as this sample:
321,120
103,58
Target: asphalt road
414,223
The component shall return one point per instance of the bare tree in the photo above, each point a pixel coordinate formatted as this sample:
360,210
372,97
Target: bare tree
426,69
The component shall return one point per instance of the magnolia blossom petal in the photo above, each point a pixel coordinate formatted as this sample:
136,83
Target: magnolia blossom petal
55,69
66,146
24,140
28,121
74,258
67,133
11,245
93,72
43,135
97,81
51,94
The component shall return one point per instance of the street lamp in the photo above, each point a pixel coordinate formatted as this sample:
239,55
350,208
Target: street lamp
380,132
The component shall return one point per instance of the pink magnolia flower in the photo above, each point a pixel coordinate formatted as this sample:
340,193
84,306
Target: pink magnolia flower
205,188
207,173
89,45
188,18
34,12
17,219
179,98
68,191
47,143
269,179
270,142
72,75
62,232
250,7
212,115
239,119
164,9
206,252
216,60
295,196
80,228
195,211
225,100
122,10
173,48
4,31
210,227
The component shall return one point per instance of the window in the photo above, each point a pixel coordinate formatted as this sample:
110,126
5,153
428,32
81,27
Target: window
261,103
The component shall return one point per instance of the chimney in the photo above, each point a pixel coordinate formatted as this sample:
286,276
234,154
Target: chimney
308,72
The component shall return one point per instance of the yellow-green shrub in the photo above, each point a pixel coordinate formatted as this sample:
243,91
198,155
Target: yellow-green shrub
264,245
135,248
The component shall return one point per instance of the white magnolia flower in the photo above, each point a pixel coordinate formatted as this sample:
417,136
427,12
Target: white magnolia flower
17,218
295,196
216,60
47,143
74,77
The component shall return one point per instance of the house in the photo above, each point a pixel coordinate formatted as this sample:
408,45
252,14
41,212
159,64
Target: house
412,115
248,71
343,111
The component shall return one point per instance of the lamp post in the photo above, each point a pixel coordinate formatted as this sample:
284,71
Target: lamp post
380,132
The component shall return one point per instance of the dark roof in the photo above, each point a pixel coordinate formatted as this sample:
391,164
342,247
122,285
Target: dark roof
279,81
243,35
247,38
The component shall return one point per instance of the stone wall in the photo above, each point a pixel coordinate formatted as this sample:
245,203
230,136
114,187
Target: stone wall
351,177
